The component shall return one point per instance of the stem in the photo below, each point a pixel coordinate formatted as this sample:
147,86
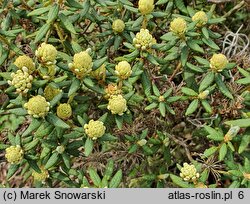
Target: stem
238,6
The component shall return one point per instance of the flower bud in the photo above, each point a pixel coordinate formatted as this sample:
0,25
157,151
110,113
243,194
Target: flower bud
201,18
178,26
46,54
14,154
60,149
21,80
142,142
25,61
50,92
40,176
203,95
218,62
189,173
117,104
118,26
64,111
47,71
232,132
144,40
112,89
100,73
146,6
94,129
82,64
37,106
123,70
161,98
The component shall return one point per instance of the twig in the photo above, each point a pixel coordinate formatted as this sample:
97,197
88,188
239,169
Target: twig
238,6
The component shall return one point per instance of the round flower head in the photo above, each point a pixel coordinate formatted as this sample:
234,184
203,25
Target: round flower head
64,111
146,6
201,18
123,70
94,129
40,176
117,104
14,154
144,40
46,54
37,106
25,61
189,173
178,26
50,92
82,64
118,26
21,80
112,89
218,62
100,73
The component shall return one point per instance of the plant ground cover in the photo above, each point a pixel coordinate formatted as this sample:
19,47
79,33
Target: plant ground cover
119,93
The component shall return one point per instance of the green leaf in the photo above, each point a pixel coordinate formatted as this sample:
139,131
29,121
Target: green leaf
211,43
181,6
207,81
152,59
194,68
202,61
146,84
34,165
39,11
130,8
210,151
98,63
53,13
116,180
54,120
184,55
12,170
35,123
95,178
74,4
223,151
88,147
42,32
207,106
119,121
109,169
66,160
74,86
244,80
223,88
179,182
66,23
18,111
137,22
214,134
151,106
161,2
188,91
192,107
162,109
243,123
205,32
156,90
52,160
244,143
194,46
31,144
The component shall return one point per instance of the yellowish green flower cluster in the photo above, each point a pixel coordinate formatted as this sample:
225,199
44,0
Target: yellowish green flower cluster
50,92
25,61
178,26
123,70
94,129
218,62
40,176
82,64
146,6
14,154
21,80
118,26
37,106
117,104
201,18
203,95
189,173
100,73
144,40
64,111
46,54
